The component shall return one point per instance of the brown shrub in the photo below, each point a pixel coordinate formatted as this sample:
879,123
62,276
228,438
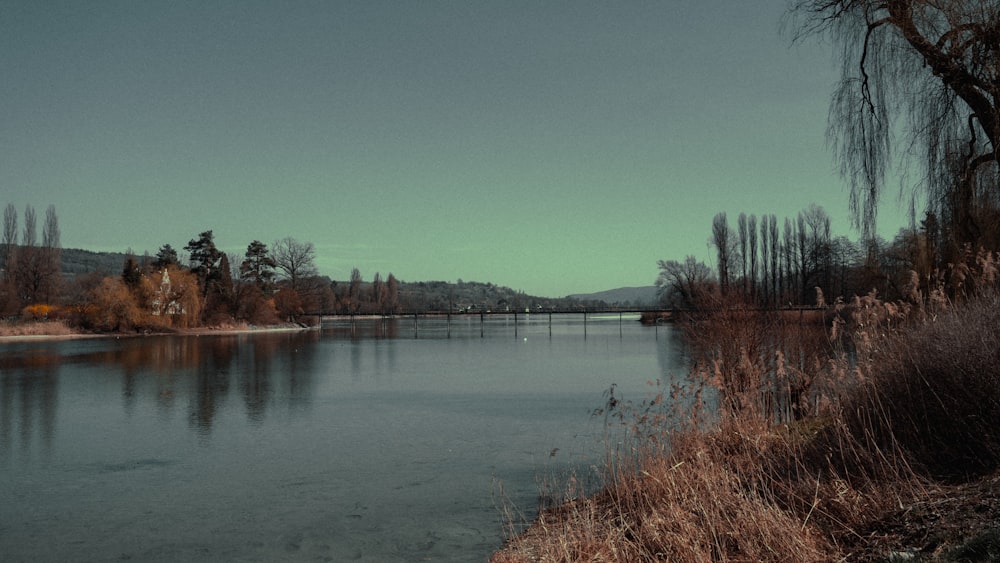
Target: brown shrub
933,391
817,437
707,500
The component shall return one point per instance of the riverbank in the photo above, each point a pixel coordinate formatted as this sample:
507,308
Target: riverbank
878,444
700,507
56,330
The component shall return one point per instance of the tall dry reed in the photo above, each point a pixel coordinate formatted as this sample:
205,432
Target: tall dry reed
817,427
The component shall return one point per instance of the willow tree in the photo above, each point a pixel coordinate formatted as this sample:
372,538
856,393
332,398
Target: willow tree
919,88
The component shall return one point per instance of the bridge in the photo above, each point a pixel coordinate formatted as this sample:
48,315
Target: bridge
382,325
652,314
648,316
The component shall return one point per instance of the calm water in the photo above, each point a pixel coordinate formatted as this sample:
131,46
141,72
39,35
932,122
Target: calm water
371,442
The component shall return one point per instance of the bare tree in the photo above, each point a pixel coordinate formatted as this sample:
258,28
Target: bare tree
50,229
818,222
36,271
744,260
354,291
297,260
685,284
9,239
788,246
50,253
929,71
772,226
378,294
752,254
29,237
721,239
802,257
392,293
765,260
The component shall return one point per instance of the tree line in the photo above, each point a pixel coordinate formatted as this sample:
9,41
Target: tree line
798,262
30,266
923,76
267,284
200,285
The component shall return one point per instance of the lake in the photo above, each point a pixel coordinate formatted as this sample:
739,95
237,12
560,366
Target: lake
370,440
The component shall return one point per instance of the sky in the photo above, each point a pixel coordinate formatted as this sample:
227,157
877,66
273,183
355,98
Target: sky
555,147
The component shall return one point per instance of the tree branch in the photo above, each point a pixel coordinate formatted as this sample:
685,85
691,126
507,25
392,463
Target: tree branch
866,94
954,76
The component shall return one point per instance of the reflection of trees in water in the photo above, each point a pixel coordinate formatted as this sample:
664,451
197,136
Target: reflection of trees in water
204,369
298,360
212,361
363,328
377,350
368,329
671,355
28,397
255,379
291,356
199,372
264,366
674,359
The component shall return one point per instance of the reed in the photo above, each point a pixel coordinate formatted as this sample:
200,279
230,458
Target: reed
791,438
35,328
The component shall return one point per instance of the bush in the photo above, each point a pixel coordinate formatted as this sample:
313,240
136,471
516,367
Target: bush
934,391
815,440
38,312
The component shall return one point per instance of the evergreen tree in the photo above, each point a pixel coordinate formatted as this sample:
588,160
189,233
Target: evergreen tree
204,259
166,257
131,273
258,266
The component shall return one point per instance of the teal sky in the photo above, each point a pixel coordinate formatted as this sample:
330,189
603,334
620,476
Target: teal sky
553,147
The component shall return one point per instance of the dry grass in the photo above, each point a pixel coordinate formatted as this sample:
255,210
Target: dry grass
935,393
693,505
818,436
36,328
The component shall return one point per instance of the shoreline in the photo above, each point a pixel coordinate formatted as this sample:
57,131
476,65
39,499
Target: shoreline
219,331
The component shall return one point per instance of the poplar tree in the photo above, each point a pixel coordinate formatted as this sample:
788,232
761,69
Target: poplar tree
721,240
9,240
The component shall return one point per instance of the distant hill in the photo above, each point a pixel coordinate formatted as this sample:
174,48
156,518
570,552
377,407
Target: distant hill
472,296
634,296
75,261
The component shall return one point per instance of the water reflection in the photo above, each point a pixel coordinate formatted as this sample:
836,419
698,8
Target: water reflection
199,372
374,440
363,328
28,402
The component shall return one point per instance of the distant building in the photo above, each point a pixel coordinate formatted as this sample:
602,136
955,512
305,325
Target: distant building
164,302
